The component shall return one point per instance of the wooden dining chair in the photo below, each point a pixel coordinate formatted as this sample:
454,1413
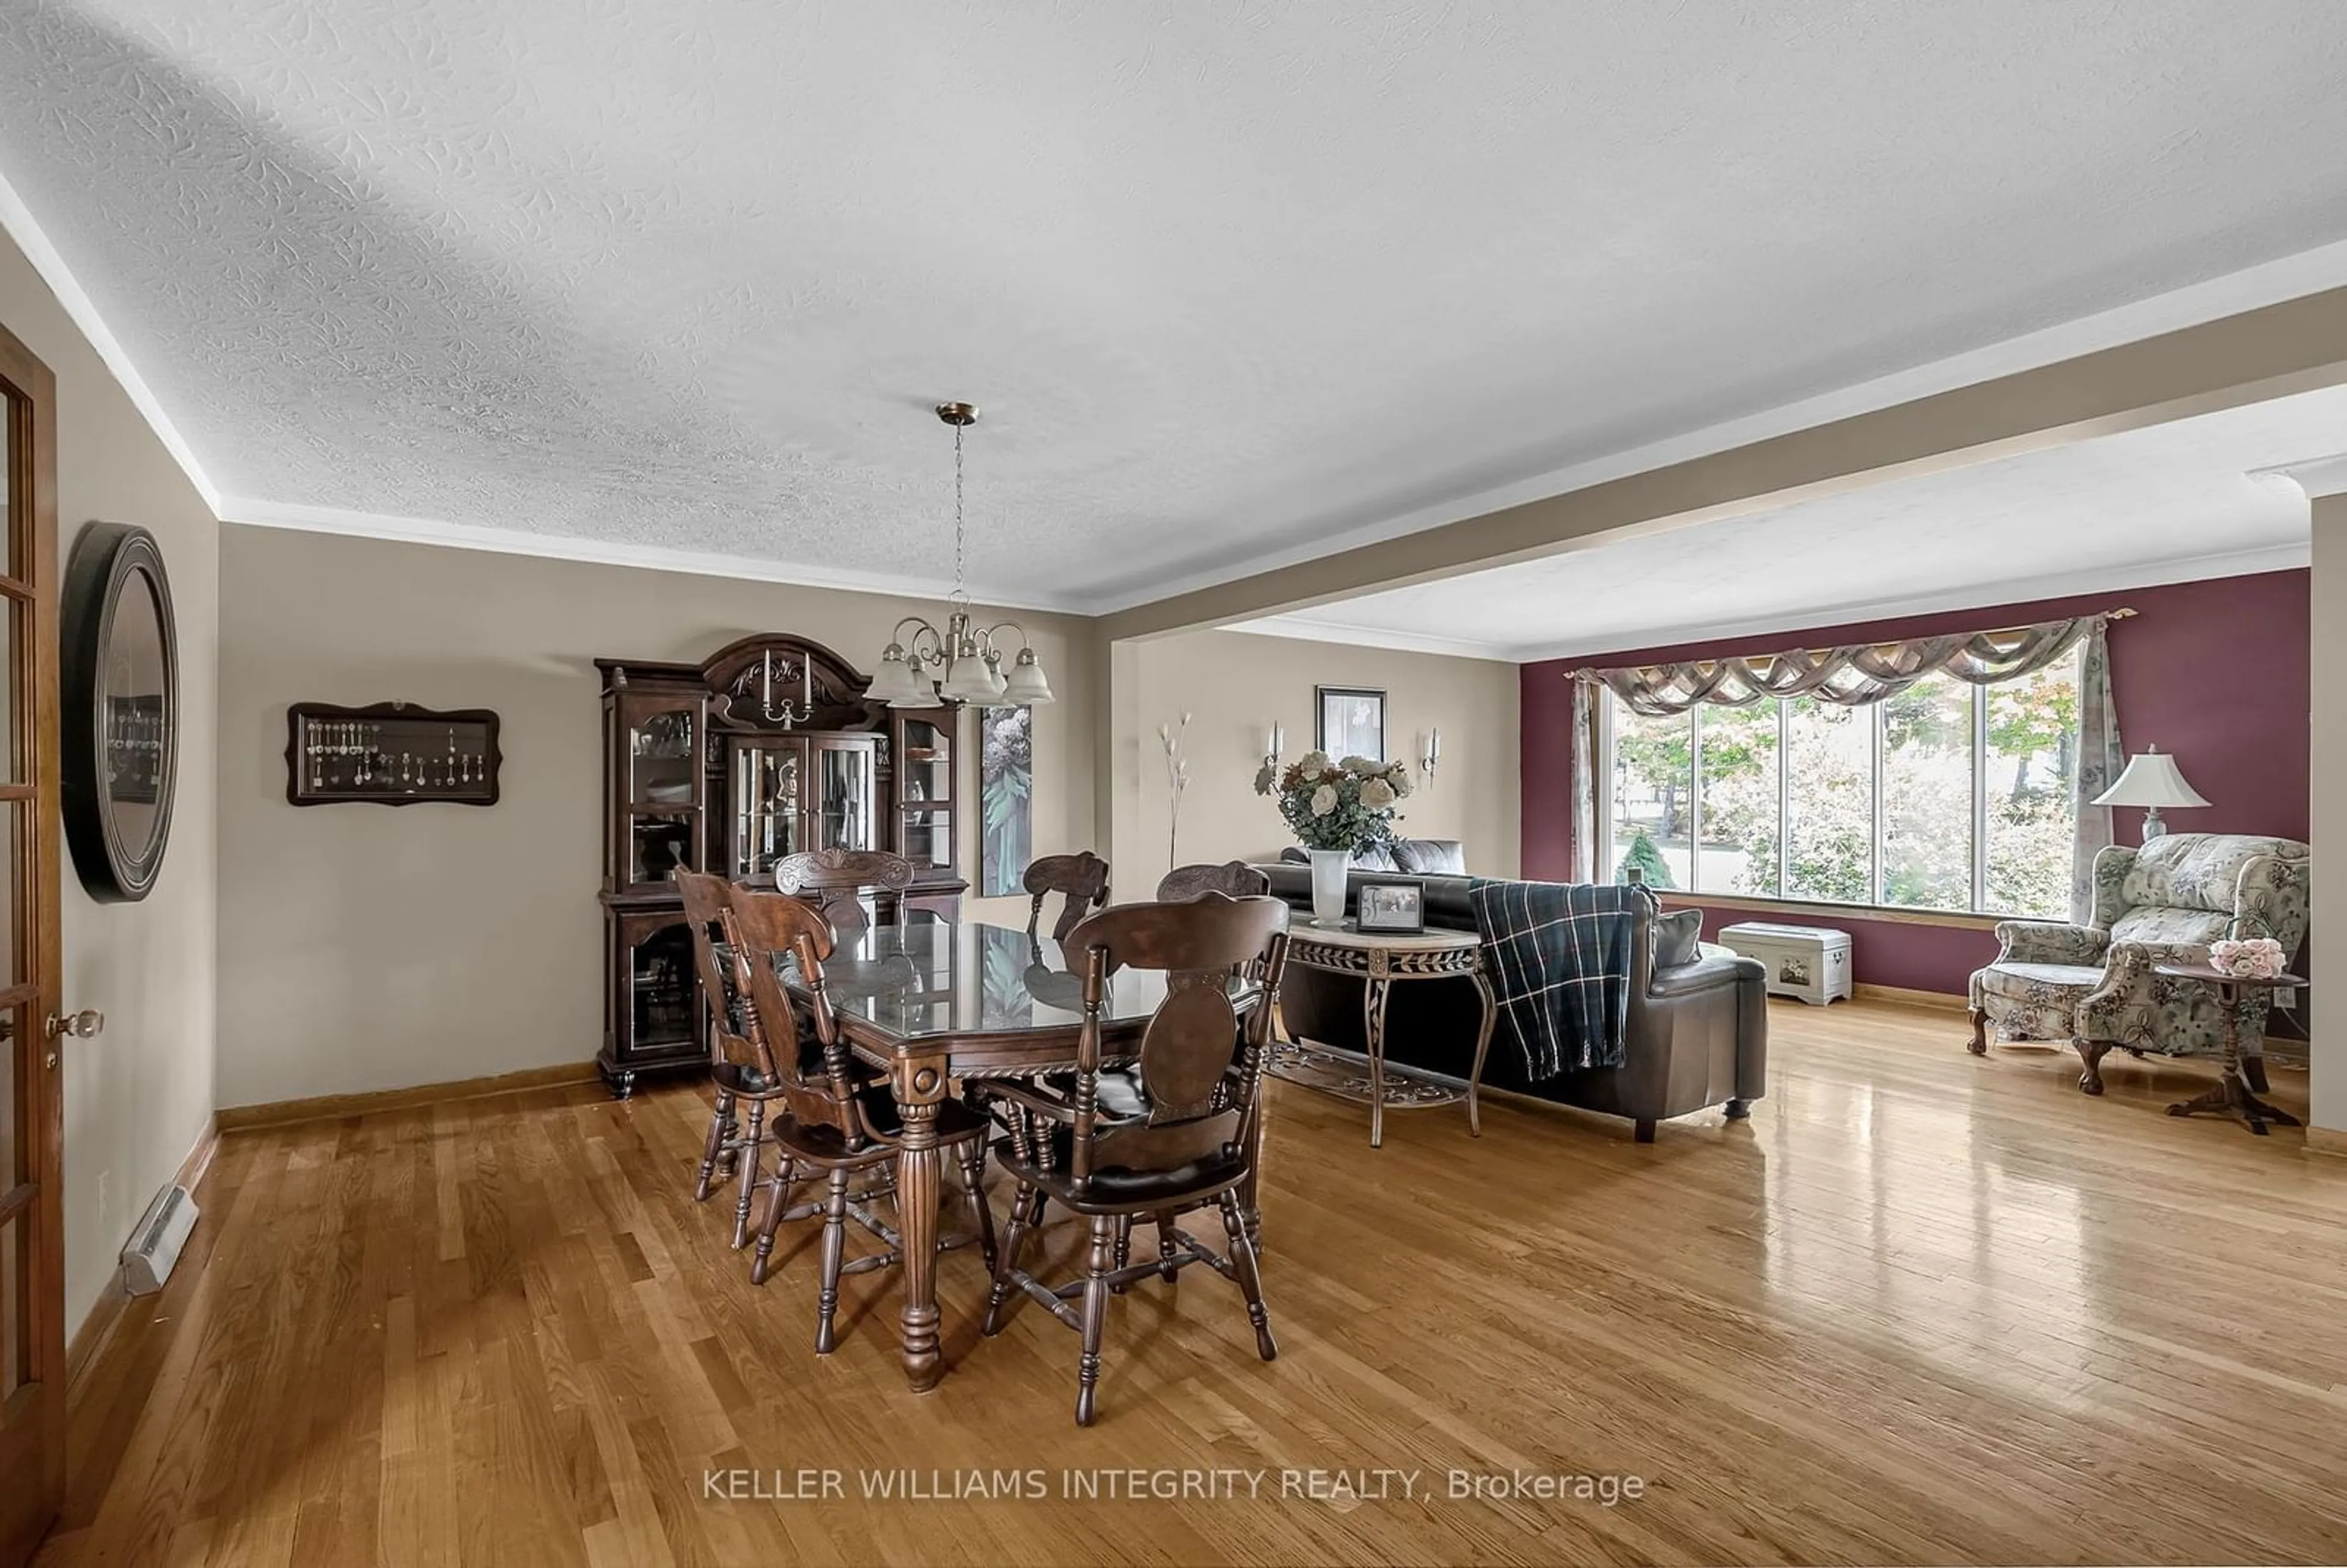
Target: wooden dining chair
1081,878
1232,878
734,1070
835,881
1178,1135
840,1119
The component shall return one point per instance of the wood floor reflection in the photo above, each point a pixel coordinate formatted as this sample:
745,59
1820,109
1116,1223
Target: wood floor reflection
1924,1307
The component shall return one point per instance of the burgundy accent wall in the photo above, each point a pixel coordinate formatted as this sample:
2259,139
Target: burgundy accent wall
2214,671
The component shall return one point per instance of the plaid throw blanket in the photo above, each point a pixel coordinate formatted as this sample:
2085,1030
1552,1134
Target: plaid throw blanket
1558,954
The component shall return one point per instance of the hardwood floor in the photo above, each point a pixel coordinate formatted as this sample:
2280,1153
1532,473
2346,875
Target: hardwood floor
1922,1307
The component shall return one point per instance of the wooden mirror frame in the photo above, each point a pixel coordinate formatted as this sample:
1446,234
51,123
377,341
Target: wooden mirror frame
107,558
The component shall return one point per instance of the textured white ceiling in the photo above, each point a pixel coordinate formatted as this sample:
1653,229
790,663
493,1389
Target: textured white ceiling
1230,279
2159,505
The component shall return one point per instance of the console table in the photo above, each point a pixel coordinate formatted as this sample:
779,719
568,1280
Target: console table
1381,959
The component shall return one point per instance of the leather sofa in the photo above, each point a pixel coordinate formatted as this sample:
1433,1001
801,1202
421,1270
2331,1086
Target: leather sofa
1698,1033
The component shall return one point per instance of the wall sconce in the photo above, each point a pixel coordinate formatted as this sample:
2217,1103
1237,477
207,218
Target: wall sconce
1430,754
1279,744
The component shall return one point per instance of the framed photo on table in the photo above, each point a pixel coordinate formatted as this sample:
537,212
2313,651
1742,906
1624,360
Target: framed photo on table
1352,723
1390,905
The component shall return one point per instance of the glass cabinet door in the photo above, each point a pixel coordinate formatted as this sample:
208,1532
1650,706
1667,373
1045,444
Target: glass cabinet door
846,784
663,993
658,764
925,788
769,805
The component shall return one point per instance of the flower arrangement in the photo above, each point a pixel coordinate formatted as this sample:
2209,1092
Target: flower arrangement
2256,959
1347,805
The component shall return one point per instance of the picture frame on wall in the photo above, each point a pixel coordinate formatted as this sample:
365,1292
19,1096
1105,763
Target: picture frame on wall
1390,905
1352,721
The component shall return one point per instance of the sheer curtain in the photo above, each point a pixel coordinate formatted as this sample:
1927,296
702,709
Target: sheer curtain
1867,673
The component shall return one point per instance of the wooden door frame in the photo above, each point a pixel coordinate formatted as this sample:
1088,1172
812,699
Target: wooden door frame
32,459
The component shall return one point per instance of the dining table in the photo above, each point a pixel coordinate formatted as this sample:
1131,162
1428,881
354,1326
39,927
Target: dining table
938,1001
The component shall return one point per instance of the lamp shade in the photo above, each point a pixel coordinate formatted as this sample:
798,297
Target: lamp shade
967,681
894,683
2150,780
1026,687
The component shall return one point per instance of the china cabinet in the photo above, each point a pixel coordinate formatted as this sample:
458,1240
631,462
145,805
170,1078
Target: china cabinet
768,747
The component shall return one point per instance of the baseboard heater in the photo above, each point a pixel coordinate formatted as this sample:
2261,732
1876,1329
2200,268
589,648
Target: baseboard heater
163,1229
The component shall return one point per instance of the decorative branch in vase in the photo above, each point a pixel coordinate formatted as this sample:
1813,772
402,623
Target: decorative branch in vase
1177,779
1336,809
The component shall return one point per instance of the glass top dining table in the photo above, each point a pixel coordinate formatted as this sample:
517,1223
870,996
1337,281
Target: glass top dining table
963,978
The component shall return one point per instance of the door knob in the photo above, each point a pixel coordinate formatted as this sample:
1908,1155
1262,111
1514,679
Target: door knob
80,1025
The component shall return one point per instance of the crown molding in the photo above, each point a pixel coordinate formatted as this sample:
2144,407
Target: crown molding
603,552
16,220
2314,477
2231,293
2116,578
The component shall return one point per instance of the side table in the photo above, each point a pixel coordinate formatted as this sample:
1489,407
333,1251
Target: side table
2231,1094
1382,959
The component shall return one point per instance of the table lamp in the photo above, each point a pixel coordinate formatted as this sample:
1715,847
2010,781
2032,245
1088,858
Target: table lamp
2151,781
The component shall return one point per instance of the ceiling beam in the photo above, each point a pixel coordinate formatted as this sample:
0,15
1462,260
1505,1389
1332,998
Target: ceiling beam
2298,345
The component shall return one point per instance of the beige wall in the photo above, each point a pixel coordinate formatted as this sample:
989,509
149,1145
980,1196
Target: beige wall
2326,954
366,947
137,1096
1234,686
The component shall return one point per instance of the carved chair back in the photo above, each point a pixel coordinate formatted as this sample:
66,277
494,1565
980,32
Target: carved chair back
1232,879
1202,1056
708,910
1082,879
833,880
819,1085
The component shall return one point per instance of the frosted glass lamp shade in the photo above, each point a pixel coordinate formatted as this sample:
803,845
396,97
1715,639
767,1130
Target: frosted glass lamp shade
967,681
2151,781
899,683
1026,687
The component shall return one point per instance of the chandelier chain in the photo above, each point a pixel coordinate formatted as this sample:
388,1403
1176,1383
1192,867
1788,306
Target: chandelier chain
961,593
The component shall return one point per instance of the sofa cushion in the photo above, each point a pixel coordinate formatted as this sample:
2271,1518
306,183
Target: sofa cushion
1430,856
1675,937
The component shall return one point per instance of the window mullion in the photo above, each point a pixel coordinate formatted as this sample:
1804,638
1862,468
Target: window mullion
1694,799
1980,798
1874,808
1784,794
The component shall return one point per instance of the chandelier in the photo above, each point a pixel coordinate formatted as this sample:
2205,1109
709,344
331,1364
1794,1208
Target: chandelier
963,663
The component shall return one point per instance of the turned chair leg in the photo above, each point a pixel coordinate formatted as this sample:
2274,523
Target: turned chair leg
747,1159
972,1154
1025,1212
1095,1313
1165,1253
720,1132
834,1239
2091,1052
1124,1253
779,1188
1978,1044
1244,1263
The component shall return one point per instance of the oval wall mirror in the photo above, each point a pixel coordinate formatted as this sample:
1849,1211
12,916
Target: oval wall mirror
121,686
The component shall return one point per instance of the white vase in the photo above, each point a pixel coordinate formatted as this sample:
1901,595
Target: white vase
1329,869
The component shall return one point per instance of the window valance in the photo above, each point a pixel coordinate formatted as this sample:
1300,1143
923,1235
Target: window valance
1848,677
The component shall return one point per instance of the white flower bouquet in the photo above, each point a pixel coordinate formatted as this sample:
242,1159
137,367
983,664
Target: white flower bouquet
2254,959
1347,805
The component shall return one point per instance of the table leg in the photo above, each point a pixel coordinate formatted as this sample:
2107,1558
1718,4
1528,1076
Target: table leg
1375,1000
2232,1092
918,1084
1482,1047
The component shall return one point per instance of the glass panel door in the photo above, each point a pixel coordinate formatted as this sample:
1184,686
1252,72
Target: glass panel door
661,991
768,806
843,808
662,751
659,780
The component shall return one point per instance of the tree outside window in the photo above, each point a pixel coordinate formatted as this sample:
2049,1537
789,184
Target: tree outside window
1944,796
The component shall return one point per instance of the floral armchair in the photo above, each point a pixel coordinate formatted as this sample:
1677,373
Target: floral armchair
2093,985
